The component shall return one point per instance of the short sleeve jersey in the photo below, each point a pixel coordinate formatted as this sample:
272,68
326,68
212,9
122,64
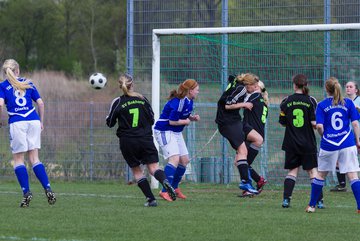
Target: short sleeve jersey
19,105
336,121
174,110
134,116
297,112
235,93
256,117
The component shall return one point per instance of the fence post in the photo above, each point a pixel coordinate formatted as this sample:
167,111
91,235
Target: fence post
92,153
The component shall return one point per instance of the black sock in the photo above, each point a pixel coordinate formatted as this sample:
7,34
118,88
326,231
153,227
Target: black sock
254,175
145,188
243,168
289,185
341,177
160,176
252,153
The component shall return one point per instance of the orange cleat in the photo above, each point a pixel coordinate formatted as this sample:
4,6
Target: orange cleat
165,196
179,194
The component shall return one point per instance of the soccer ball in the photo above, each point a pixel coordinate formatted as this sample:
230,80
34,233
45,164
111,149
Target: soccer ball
97,81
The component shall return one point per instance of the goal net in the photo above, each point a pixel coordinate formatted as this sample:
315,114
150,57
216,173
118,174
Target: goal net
275,54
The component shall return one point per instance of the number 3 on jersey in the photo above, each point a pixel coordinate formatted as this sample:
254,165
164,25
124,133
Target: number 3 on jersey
298,120
135,113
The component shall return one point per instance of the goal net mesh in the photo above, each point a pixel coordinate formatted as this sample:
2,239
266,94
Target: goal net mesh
275,57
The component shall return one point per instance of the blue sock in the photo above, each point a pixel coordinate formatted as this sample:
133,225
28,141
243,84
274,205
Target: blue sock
179,173
355,186
316,189
169,172
23,178
40,173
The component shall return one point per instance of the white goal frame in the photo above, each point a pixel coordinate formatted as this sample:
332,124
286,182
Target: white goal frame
157,33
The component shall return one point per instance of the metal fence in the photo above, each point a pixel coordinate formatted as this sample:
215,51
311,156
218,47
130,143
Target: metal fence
194,57
76,144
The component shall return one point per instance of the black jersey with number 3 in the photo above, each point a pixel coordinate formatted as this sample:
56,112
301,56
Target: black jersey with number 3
297,112
133,114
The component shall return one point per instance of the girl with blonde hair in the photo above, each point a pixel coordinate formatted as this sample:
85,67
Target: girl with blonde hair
339,144
25,128
231,126
134,115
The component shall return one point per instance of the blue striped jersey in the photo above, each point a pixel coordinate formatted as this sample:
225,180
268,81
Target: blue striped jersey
19,106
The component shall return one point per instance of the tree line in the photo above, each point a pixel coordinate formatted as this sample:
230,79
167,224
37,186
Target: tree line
76,37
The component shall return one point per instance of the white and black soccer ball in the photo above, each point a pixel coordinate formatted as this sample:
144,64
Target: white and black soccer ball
97,81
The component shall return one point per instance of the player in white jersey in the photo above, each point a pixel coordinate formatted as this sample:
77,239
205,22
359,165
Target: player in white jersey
25,128
338,143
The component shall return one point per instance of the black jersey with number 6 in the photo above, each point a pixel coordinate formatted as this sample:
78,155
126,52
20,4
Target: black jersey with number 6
297,112
134,115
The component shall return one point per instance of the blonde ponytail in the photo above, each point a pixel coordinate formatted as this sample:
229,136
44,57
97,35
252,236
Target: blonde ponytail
10,66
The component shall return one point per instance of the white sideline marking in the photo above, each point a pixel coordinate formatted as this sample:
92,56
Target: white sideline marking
36,239
82,195
259,202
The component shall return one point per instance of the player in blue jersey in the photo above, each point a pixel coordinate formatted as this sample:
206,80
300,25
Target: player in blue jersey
25,128
338,142
231,126
297,115
352,92
176,114
134,115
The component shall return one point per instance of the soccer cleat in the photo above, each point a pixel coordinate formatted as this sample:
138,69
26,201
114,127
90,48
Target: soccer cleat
50,196
26,200
286,203
310,209
260,184
165,196
179,194
320,204
358,211
169,189
248,187
338,188
246,194
150,203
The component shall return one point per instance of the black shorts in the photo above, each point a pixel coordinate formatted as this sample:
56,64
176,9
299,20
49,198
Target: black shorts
247,128
307,161
233,133
139,150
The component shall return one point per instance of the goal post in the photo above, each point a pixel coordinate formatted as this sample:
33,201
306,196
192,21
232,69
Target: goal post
272,52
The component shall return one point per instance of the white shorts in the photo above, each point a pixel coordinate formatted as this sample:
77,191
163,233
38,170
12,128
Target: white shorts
347,159
171,143
25,136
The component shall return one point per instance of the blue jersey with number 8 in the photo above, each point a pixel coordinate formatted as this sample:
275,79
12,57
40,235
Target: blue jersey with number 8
336,121
19,105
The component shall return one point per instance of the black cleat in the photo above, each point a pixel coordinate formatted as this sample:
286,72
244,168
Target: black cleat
26,200
169,189
151,203
286,203
50,196
338,188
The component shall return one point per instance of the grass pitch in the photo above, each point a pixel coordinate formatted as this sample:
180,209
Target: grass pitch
113,211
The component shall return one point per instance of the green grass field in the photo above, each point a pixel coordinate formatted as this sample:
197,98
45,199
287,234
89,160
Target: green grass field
113,211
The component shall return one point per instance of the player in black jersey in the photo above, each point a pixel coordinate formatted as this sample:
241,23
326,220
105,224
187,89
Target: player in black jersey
255,119
230,123
135,118
297,115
